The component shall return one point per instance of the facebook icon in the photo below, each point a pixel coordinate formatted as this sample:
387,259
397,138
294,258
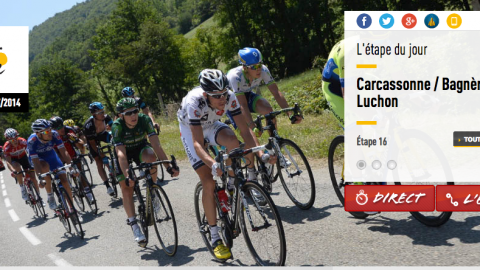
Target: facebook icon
364,20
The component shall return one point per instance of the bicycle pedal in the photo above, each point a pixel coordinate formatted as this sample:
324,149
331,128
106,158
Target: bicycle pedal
142,244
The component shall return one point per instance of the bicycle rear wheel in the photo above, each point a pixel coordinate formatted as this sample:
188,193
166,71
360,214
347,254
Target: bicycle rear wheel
336,157
72,214
262,227
296,175
164,220
38,203
436,172
86,168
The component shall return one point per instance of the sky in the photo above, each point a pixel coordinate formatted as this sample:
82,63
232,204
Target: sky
31,12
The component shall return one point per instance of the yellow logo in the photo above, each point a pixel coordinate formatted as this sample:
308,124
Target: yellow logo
3,60
431,23
454,21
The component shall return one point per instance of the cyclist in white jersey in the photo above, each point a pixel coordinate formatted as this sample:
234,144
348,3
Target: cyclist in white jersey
199,116
248,77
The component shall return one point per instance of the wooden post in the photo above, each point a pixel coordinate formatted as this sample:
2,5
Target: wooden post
162,105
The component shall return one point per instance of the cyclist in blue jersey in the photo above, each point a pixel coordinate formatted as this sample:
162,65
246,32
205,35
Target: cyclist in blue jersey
44,158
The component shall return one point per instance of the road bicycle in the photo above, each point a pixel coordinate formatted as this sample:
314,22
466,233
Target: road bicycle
34,199
78,185
111,166
293,168
65,210
154,208
250,211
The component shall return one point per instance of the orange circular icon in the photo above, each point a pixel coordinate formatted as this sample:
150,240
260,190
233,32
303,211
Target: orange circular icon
3,59
454,20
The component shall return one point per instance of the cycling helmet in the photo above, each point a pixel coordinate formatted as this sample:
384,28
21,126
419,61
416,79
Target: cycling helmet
95,106
40,125
57,122
213,80
10,133
128,91
126,103
249,56
69,122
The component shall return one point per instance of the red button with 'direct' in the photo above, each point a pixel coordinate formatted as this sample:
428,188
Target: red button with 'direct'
390,198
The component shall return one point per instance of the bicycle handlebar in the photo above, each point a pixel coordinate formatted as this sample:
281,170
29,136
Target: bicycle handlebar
296,112
43,175
144,165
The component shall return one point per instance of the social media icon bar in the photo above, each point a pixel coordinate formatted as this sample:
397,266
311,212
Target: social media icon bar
409,21
431,21
454,21
364,21
386,21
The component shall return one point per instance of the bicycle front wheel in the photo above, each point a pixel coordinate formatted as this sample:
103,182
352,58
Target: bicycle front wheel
262,227
72,214
436,172
92,205
296,175
38,203
202,218
336,161
164,220
76,193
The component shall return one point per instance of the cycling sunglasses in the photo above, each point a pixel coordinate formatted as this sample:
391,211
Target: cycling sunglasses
99,112
218,96
13,139
129,113
46,132
255,67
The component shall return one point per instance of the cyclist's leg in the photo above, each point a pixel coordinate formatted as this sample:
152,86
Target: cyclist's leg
17,167
221,134
148,155
54,162
99,163
28,169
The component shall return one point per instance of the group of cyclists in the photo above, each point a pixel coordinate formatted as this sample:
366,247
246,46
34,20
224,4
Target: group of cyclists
133,134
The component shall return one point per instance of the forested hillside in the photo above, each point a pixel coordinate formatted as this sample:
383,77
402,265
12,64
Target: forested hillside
90,52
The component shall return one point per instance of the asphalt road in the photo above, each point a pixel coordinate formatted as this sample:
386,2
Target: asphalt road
324,235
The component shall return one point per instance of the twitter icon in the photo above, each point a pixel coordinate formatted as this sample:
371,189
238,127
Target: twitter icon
386,21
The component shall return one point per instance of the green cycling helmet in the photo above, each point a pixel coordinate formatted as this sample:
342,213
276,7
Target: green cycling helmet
126,103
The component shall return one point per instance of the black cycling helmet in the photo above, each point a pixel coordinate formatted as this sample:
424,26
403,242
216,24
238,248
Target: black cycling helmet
57,122
213,80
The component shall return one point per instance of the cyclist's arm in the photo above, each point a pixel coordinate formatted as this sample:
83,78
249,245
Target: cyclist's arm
282,102
245,132
80,146
122,158
93,145
245,111
8,159
36,165
198,144
64,156
155,142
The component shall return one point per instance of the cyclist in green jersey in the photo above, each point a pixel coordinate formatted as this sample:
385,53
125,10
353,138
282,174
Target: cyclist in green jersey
129,137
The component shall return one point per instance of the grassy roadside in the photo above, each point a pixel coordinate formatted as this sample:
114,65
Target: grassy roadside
313,135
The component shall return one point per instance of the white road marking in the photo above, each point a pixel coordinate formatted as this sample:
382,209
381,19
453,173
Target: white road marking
4,193
30,237
13,215
3,186
7,202
57,260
